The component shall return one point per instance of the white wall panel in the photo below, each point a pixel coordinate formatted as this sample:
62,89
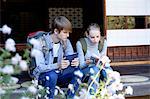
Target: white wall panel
128,37
127,7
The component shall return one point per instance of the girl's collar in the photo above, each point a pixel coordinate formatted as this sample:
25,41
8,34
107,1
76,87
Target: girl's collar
89,42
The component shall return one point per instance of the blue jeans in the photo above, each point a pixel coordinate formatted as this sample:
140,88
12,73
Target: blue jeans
86,72
62,78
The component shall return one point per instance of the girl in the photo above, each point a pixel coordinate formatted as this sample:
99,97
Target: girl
90,49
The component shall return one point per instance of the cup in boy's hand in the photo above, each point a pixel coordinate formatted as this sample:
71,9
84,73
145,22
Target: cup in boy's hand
75,62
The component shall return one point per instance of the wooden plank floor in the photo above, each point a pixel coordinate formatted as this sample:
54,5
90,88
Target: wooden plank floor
139,97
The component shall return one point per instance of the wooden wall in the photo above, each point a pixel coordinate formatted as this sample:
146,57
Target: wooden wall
131,53
117,54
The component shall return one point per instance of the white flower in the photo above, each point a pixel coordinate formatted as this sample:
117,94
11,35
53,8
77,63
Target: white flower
105,59
35,82
56,92
71,87
2,91
8,69
115,75
0,70
39,95
45,97
60,90
35,52
79,81
83,94
119,96
14,80
109,71
23,65
90,97
111,89
76,97
32,89
15,60
10,45
10,42
83,91
47,88
129,90
5,29
107,64
57,71
47,77
47,91
91,71
35,43
119,86
25,97
103,92
78,73
40,87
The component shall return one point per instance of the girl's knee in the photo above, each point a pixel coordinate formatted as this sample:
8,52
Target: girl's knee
95,69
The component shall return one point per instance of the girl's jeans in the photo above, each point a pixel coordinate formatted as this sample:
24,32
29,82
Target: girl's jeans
88,72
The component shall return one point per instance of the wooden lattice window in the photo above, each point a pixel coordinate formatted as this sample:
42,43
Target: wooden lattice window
73,14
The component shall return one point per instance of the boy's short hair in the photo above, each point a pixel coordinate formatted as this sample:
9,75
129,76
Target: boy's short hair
60,23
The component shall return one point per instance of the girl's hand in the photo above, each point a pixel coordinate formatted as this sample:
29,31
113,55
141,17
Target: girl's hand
75,62
64,64
88,61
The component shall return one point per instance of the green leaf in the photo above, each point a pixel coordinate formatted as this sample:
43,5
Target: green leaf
26,53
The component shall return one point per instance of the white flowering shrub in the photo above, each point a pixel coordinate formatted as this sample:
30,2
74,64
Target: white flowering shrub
109,88
11,62
35,91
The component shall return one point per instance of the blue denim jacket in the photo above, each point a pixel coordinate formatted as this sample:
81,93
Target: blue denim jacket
44,61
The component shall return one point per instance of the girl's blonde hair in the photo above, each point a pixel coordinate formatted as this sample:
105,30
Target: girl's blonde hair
91,27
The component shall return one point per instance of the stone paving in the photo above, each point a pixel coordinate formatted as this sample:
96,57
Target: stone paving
139,88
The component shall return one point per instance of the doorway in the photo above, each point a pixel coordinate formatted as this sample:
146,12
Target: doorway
25,16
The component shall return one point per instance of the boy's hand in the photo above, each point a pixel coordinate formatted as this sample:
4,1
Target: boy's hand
75,62
64,64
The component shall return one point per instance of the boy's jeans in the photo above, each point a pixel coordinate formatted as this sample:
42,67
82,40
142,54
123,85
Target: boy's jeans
61,78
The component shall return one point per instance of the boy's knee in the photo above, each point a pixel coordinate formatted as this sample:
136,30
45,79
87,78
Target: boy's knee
52,76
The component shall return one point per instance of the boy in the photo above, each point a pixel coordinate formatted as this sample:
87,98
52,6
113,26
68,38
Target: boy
52,69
